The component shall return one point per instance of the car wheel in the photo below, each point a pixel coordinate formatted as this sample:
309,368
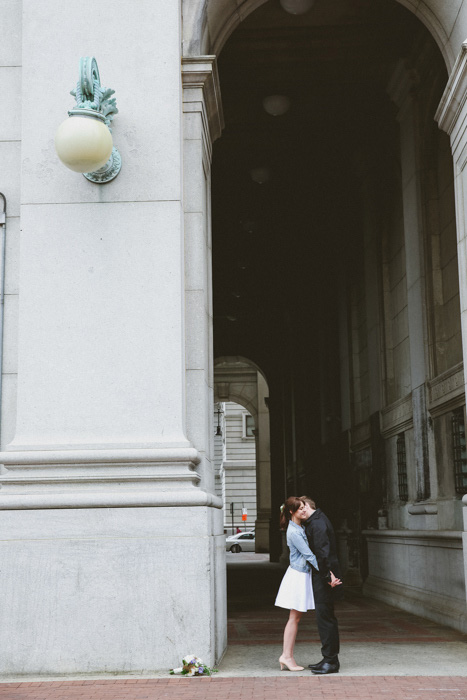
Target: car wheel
235,548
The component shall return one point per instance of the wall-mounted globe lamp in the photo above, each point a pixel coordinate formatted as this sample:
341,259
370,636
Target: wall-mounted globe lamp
297,7
84,141
276,105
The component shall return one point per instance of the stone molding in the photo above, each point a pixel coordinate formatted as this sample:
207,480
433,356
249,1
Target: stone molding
397,417
447,391
101,478
35,457
424,538
154,499
360,435
452,109
201,93
422,509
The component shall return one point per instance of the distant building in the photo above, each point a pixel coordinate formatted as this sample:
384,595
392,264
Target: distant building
235,462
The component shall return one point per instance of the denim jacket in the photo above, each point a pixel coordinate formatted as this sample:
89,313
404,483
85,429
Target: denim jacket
301,555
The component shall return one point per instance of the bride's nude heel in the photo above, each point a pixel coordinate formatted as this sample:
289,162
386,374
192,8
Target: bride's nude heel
284,664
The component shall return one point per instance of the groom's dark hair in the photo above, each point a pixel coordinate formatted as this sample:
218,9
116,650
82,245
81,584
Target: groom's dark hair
308,500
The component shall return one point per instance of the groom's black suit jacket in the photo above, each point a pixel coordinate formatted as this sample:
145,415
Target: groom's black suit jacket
322,540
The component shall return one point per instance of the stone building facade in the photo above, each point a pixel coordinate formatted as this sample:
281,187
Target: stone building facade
235,467
341,282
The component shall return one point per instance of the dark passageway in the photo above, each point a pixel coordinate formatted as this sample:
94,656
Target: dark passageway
311,258
376,639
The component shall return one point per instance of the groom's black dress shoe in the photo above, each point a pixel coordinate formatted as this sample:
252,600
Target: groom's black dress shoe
323,661
326,668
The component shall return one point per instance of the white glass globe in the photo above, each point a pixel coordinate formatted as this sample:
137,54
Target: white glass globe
297,7
276,105
83,144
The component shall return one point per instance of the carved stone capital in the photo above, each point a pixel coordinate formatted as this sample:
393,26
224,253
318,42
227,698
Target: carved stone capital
452,110
201,92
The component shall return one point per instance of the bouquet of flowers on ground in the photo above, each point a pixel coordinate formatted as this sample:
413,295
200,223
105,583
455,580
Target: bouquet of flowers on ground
193,666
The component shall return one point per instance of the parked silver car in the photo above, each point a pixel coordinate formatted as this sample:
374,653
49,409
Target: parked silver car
241,542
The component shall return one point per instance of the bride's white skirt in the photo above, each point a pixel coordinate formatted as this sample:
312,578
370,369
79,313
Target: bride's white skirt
296,591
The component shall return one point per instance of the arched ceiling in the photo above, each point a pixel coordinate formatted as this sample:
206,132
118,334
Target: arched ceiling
207,24
279,247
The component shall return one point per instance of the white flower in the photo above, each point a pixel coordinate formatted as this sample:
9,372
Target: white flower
189,658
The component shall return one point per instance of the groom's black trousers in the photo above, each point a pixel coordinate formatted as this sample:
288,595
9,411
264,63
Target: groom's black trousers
325,618
328,631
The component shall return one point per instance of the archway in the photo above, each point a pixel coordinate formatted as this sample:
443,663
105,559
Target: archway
208,24
326,262
239,380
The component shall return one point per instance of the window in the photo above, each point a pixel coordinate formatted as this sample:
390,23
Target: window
459,451
402,469
248,426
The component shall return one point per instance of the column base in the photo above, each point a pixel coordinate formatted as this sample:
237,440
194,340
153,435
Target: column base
111,590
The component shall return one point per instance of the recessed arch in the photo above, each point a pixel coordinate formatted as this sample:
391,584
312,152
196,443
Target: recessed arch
240,380
207,24
239,374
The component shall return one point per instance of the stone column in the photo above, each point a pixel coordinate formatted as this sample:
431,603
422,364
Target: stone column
371,224
107,515
452,118
263,469
202,125
402,91
464,540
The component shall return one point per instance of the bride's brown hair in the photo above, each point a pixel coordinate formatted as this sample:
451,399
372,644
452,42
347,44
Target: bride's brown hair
290,507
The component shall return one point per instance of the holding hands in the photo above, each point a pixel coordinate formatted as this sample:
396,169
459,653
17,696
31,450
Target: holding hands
334,581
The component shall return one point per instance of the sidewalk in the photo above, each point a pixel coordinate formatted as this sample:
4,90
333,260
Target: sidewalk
386,653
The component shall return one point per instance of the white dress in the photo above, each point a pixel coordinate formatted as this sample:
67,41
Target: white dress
296,591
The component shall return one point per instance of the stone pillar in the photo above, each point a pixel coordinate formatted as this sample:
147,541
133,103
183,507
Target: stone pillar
107,512
464,540
202,125
372,266
401,91
263,469
371,227
452,118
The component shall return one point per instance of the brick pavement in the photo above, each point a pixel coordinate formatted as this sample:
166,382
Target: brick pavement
216,688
